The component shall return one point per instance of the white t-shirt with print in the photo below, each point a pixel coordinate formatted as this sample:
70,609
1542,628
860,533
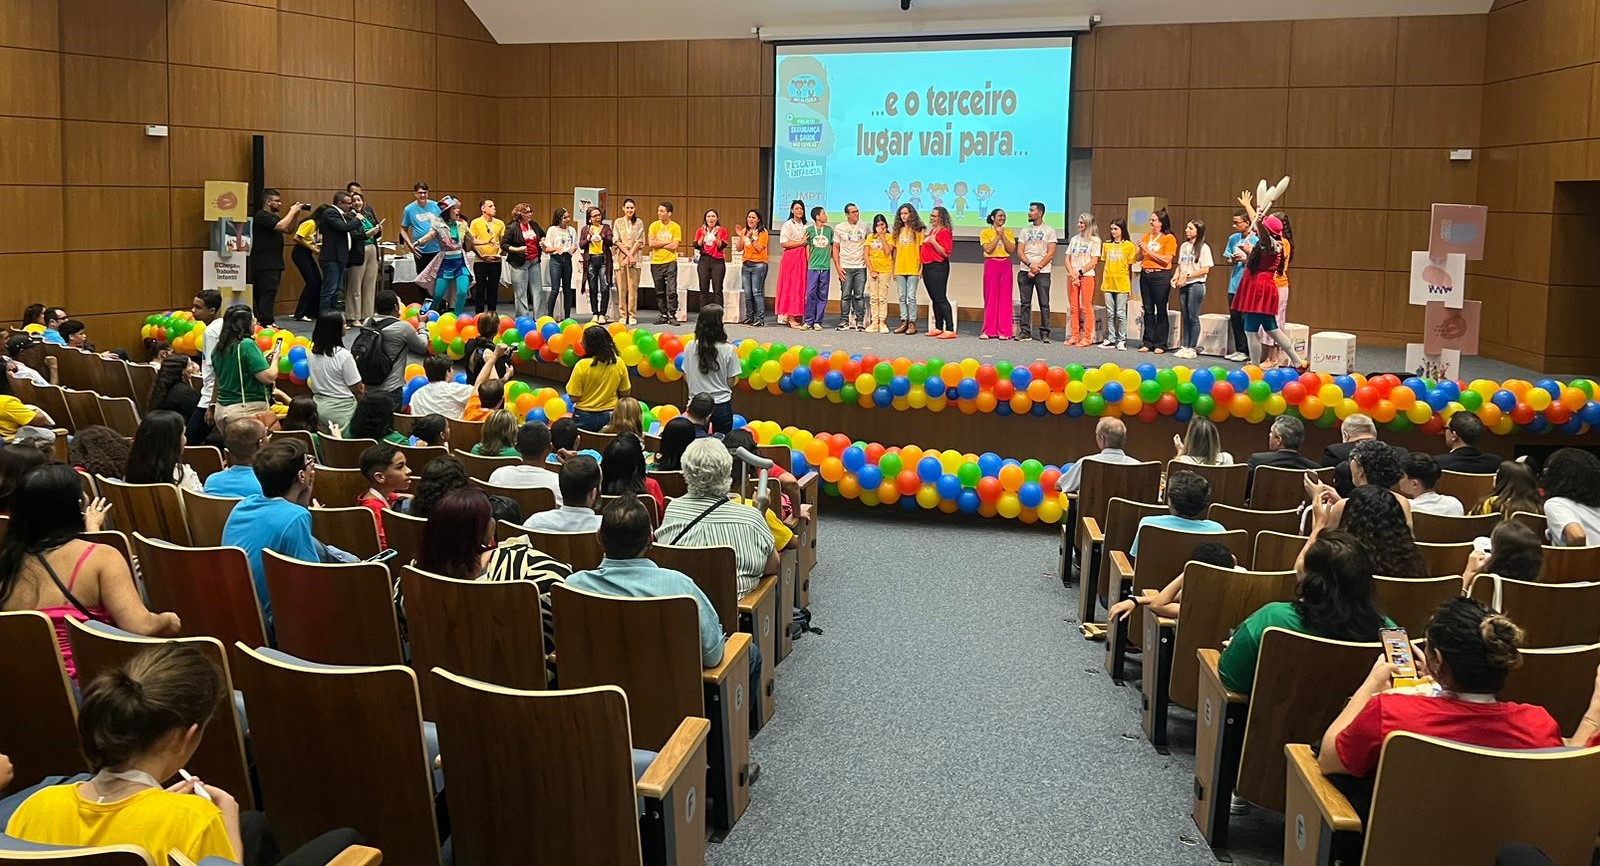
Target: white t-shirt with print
1188,261
333,375
1081,251
1035,241
852,244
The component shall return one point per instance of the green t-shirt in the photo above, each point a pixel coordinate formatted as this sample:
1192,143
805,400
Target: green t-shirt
508,451
236,370
821,256
1238,663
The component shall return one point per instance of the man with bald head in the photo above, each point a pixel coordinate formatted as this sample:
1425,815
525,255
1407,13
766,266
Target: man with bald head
240,441
1109,434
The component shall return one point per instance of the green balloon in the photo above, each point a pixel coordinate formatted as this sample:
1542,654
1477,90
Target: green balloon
757,357
658,359
1259,391
882,372
848,393
1472,400
1327,419
524,353
806,354
569,358
1401,422
1150,390
1032,469
1003,369
967,473
935,364
917,374
891,464
781,439
1167,379
1219,373
776,350
284,366
1584,385
1186,393
830,488
1094,404
439,346
1204,405
516,389
1074,372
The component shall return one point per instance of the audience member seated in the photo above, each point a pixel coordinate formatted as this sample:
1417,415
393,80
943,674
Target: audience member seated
1515,551
172,390
706,517
76,335
157,453
1283,446
1168,602
564,439
15,464
53,319
1375,518
44,566
1354,430
486,398
499,436
533,445
14,349
580,488
1421,476
1571,480
304,415
1334,599
99,450
374,419
625,571
15,414
1516,489
276,518
446,397
1109,434
430,431
1373,464
675,437
1188,497
385,466
459,542
1461,435
1201,444
622,467
628,417
597,380
698,410
240,443
139,725
1470,651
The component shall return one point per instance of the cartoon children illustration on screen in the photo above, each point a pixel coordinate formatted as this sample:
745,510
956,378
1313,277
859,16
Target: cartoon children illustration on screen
916,195
984,193
961,198
937,190
894,194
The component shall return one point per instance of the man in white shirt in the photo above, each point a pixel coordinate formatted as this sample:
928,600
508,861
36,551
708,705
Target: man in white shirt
1421,475
449,398
14,348
533,443
850,259
580,483
1036,247
207,308
1109,434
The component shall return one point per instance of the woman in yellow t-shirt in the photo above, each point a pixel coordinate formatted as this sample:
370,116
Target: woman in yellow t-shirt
880,273
597,381
999,245
909,233
307,247
1117,257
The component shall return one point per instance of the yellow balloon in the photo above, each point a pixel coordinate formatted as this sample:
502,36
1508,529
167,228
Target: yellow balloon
969,367
1451,408
1183,373
900,404
1345,408
1275,404
927,496
937,404
917,399
1538,399
868,497
1093,381
1419,413
1503,426
555,408
1258,412
1330,394
1130,379
1049,511
757,381
817,390
1076,391
1008,505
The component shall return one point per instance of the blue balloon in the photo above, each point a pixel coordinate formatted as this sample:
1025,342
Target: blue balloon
989,464
968,501
899,386
1030,494
678,361
1202,380
929,469
1074,410
1346,384
1184,413
833,381
1020,377
1416,385
968,389
1437,399
549,330
948,485
934,388
1010,461
1504,399
801,377
1239,380
536,414
1449,389
301,370
1552,386
870,477
1590,413
1112,392
1572,427
785,382
1146,370
1539,424
461,379
524,324
1002,409
908,503
881,397
1039,410
417,382
298,353
853,458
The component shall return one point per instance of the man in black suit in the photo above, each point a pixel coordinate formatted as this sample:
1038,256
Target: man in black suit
1283,444
1461,436
1356,428
341,227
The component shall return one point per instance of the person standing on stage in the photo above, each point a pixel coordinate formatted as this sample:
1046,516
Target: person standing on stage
627,245
1157,250
524,264
1240,243
415,224
1194,264
1036,248
341,231
822,259
265,263
711,246
1258,292
307,248
447,274
937,246
665,237
596,245
1282,280
1119,253
1083,256
560,242
487,233
791,304
909,233
366,259
999,245
880,274
753,273
850,236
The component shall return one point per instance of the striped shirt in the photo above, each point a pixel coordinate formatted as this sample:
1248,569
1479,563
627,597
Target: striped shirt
516,559
732,525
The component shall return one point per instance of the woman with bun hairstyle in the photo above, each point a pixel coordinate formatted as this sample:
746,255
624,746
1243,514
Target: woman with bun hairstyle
1470,651
1157,251
999,245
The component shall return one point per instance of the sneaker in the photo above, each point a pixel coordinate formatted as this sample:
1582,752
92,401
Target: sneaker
1107,343
1238,805
816,327
1121,346
843,326
1236,357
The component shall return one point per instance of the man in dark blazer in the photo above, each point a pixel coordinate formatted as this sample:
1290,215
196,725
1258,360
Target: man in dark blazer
1283,444
1356,428
1461,436
341,229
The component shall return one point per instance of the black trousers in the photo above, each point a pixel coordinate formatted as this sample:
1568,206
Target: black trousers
712,274
310,296
266,294
261,844
1155,290
1236,324
936,276
560,285
485,286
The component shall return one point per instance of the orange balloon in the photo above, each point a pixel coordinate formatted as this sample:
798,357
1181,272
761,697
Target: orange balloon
901,366
1038,390
986,401
1021,404
1011,477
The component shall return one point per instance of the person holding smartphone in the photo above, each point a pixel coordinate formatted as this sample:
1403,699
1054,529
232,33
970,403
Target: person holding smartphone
244,374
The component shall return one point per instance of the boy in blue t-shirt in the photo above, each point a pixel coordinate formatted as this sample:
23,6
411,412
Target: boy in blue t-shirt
1237,251
414,225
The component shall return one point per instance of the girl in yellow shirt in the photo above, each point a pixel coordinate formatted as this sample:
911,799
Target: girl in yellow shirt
880,273
909,233
1117,260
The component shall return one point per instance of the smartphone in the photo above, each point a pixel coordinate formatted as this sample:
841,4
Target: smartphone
1397,648
391,553
1481,544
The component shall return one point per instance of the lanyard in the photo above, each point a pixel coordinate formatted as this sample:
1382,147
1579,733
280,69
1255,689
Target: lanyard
107,778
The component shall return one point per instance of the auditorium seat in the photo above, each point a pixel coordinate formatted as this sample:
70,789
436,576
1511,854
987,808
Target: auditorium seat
85,408
204,459
1274,488
338,488
1560,679
209,588
1410,602
1277,551
488,630
343,453
206,515
1164,553
595,440
1552,614
17,851
649,503
1101,482
1255,522
1469,487
1441,558
119,413
404,535
353,529
305,437
481,467
672,483
465,434
1535,522
581,550
43,741
530,500
152,510
1570,564
1439,529
419,456
53,400
1228,482
333,613
1112,531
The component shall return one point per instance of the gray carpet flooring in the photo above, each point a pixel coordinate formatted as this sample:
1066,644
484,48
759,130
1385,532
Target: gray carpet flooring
951,714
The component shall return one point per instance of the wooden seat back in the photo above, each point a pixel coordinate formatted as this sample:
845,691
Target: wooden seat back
1469,487
1418,774
206,515
209,588
649,503
1255,522
1301,684
343,453
1535,522
338,488
418,457
1441,557
1228,481
1570,564
465,434
1560,679
488,630
341,747
85,407
1275,488
1439,529
353,529
99,855
1411,601
1277,551
143,378
221,757
714,569
206,460
110,538
305,437
580,550
1551,614
648,647
1118,524
333,613
404,534
1163,554
402,422
672,483
1215,601
1101,482
119,413
114,380
152,510
480,467
53,400
22,389
595,440
530,500
42,740
779,454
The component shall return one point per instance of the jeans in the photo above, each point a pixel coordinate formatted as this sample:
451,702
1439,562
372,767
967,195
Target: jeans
1117,316
937,276
485,286
853,296
816,296
907,283
1190,298
306,263
527,281
1154,289
561,286
593,422
332,285
597,277
752,287
722,417
1027,286
713,275
266,295
665,278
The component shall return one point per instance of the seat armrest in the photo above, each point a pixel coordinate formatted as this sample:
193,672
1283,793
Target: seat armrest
810,489
734,650
357,855
673,758
1092,531
1165,622
1209,659
1119,561
756,597
1335,807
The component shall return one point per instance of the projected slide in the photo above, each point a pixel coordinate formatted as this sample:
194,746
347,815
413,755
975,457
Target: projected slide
970,126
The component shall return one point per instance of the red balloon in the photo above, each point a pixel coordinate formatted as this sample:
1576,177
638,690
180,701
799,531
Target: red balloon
1148,413
868,362
1434,427
908,483
534,341
819,367
987,376
1056,378
1222,392
1311,382
1366,396
1039,369
1385,383
874,453
1522,414
989,489
1003,390
1048,478
1556,413
1167,404
1294,392
838,444
852,369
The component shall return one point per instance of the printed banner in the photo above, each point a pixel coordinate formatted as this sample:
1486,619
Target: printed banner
1457,228
1444,328
225,199
1442,280
223,274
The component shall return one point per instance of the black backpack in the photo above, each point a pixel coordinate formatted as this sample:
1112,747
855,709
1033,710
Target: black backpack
371,361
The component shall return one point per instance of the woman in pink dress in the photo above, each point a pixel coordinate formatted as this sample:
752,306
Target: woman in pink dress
791,303
1257,298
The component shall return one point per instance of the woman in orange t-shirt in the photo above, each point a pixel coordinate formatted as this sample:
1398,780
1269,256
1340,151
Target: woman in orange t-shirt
1157,249
752,239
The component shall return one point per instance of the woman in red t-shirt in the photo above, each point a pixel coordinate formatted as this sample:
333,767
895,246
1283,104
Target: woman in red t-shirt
711,243
936,249
1470,651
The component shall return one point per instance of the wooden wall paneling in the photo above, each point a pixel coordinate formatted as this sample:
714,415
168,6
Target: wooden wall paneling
661,169
421,15
395,112
1353,239
1400,316
1081,122
1565,334
1538,108
390,205
1232,118
199,155
1528,306
222,35
1141,118
1215,175
1085,50
1441,49
225,99
186,214
769,66
730,172
581,166
736,63
527,68
1337,299
524,121
1539,36
31,24
456,18
1339,177
736,121
322,163
1342,52
387,55
107,281
134,30
1148,57
524,167
1442,116
30,83
588,121
318,48
27,278
1406,230
96,88
1418,178
468,66
661,68
583,69
112,154
32,154
395,164
1544,164
43,229
144,232
1244,54
468,167
317,106
1497,177
187,272
469,119
118,330
1121,172
641,122
343,10
1341,116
